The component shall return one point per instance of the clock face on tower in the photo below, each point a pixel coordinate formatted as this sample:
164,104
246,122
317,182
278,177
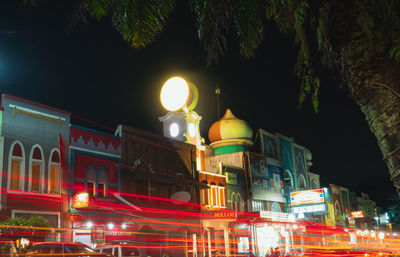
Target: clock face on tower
183,126
174,129
192,129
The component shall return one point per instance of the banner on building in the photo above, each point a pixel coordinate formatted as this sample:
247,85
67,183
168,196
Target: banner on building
276,186
315,208
307,197
330,218
277,216
267,180
258,166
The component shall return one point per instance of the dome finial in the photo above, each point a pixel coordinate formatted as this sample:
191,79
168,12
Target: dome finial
228,114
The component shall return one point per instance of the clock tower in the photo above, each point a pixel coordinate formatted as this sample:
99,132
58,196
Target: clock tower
181,122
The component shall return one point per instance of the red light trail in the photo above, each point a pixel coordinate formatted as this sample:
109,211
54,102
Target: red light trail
176,230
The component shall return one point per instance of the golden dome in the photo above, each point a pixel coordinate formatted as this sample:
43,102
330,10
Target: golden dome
229,127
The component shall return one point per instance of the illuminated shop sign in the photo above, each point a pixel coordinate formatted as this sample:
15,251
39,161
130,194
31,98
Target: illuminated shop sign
310,208
307,197
276,216
357,214
80,200
225,215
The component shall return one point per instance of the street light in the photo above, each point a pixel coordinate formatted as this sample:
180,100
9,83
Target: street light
89,224
174,94
177,94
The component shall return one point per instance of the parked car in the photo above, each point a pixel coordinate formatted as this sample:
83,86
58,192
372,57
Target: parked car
50,249
119,250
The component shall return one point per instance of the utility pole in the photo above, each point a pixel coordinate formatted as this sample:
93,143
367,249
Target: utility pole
218,92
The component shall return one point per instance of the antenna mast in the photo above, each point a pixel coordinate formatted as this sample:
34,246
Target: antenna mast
218,92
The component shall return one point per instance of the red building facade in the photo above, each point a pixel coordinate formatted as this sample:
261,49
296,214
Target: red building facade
95,169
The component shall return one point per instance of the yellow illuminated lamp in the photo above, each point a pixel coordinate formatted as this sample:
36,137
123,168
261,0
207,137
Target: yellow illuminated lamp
174,94
81,200
177,94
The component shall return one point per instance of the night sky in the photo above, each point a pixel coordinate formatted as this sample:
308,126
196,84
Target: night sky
93,73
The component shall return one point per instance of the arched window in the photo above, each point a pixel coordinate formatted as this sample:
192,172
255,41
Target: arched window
302,182
275,207
102,184
91,181
314,184
54,172
16,167
288,178
239,206
233,201
36,169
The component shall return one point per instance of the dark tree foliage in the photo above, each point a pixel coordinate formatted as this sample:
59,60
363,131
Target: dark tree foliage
17,227
14,229
359,40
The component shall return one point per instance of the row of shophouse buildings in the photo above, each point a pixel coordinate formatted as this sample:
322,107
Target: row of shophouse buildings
170,186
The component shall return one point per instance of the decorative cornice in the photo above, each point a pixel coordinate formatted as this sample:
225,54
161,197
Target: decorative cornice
227,142
98,147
